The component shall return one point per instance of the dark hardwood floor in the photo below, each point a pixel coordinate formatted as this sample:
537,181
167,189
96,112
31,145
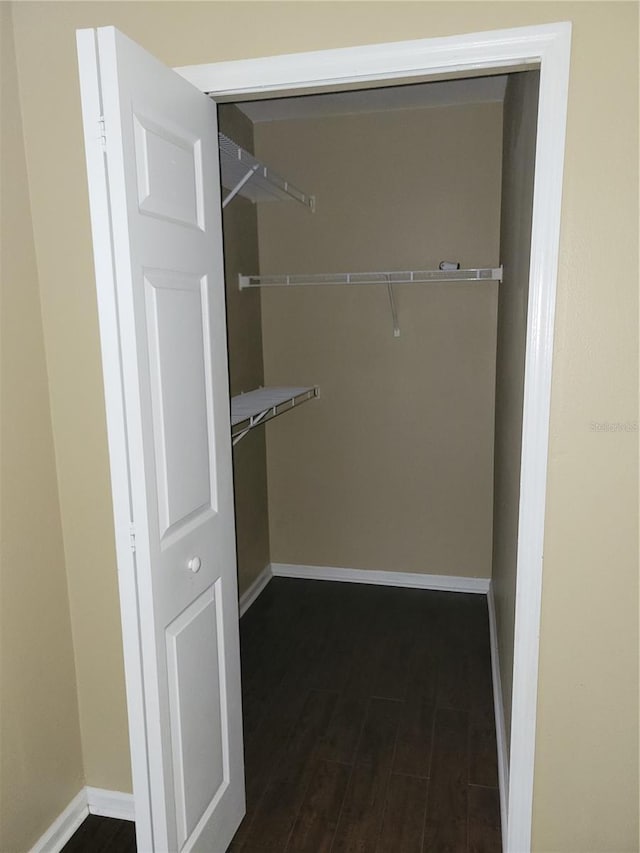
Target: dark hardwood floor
102,835
369,727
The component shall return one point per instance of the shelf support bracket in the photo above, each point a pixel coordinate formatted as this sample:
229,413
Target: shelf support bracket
234,192
394,310
279,405
236,438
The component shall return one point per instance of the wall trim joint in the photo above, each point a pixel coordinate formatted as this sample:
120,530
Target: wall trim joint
255,589
98,801
498,704
411,580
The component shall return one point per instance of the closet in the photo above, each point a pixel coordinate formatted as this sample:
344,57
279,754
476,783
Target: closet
365,235
335,294
367,245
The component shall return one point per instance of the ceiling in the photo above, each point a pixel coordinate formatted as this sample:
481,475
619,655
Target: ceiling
416,96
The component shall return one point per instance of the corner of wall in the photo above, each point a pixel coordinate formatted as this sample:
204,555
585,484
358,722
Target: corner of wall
42,764
246,368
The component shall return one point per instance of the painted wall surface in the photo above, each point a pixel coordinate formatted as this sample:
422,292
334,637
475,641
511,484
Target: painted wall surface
40,755
244,332
392,467
586,774
519,150
77,399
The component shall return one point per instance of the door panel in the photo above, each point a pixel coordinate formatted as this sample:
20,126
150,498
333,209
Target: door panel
195,643
165,286
178,336
169,172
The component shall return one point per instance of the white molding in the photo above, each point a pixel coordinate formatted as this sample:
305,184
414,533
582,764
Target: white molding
498,705
87,801
110,803
100,221
403,60
412,580
63,827
543,278
252,592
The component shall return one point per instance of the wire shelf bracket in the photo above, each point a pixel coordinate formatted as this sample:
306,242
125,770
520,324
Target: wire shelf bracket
243,175
257,407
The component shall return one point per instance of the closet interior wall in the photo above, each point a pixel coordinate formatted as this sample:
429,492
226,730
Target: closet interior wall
519,147
244,334
392,467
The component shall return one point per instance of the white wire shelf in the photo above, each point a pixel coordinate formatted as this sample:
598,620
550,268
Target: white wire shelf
348,278
243,175
256,407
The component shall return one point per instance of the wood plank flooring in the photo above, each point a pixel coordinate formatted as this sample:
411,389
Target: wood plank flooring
103,835
368,719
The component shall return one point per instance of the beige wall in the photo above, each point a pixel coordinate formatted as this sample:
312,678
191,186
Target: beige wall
586,794
519,149
244,332
392,467
40,757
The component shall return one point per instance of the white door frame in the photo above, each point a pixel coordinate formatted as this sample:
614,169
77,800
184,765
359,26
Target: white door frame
547,46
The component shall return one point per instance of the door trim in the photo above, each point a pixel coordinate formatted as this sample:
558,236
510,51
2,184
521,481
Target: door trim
548,47
498,709
90,97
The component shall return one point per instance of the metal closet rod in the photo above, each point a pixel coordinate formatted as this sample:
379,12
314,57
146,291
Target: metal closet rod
388,278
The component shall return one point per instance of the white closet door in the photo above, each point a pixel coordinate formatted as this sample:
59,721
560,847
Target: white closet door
155,204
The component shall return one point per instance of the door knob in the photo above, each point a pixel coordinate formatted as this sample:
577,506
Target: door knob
194,564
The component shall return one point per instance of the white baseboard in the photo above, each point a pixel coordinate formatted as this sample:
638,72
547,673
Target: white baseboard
87,801
63,826
413,580
498,702
249,595
110,803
